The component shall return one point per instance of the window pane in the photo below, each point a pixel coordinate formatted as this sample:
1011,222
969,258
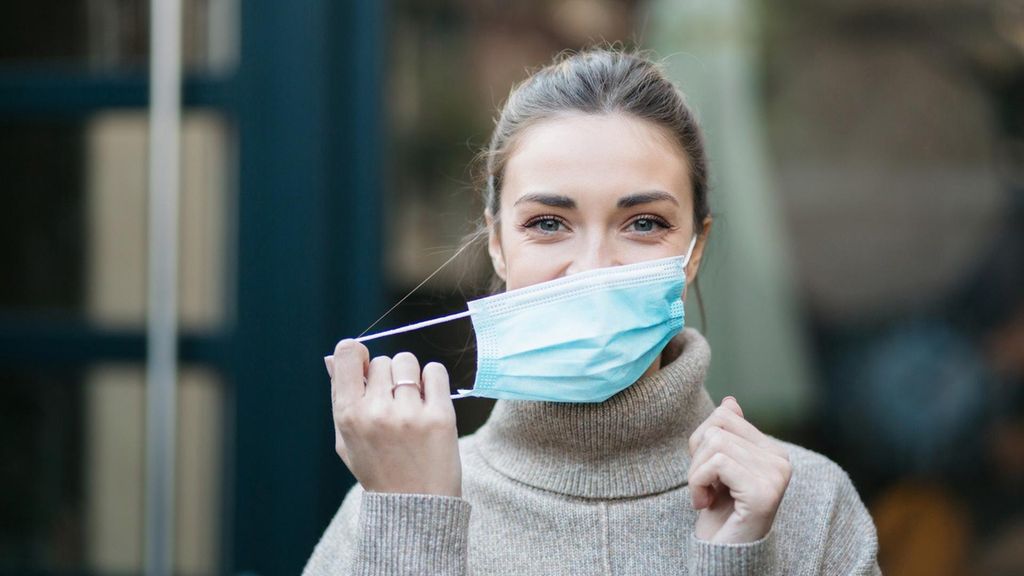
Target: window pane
43,223
72,487
40,470
113,35
77,233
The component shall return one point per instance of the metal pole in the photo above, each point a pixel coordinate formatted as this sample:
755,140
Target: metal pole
162,329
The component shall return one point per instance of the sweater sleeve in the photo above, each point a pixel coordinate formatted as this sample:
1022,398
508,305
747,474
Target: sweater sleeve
851,547
743,559
376,534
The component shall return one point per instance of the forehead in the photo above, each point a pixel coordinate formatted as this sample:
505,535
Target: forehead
588,155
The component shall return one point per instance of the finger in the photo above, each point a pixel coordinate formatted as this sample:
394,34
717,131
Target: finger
720,417
329,362
724,468
378,381
726,418
742,450
705,496
435,386
406,368
732,404
351,362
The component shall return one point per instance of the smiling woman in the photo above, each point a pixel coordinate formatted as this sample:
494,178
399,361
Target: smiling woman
588,191
596,191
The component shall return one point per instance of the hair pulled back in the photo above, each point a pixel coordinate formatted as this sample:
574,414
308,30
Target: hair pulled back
599,80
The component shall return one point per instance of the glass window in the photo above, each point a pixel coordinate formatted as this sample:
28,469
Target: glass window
77,230
113,35
72,486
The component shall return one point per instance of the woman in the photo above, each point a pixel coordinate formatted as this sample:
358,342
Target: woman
596,165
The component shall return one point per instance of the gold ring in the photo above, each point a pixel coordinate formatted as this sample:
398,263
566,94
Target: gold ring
404,383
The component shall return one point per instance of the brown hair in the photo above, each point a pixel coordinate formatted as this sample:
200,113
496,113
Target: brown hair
599,80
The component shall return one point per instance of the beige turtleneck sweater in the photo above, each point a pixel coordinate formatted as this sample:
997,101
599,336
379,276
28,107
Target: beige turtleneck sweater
558,488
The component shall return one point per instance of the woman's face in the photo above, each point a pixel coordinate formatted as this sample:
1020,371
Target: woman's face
590,191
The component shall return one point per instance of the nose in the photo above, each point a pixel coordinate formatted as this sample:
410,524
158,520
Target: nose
596,252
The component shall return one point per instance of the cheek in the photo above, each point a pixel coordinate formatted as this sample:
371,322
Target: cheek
526,265
522,277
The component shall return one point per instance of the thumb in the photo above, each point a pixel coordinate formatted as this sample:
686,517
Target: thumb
329,362
731,403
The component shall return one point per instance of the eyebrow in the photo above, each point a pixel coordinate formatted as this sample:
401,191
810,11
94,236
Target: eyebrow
553,200
563,201
646,197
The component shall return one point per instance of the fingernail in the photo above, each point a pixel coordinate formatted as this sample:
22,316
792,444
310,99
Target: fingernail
327,363
729,398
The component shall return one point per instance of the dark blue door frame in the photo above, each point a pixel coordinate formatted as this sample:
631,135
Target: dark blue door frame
309,113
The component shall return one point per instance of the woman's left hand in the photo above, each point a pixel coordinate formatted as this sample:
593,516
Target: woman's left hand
737,477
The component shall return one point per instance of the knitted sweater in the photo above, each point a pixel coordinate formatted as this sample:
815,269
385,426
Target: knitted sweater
560,488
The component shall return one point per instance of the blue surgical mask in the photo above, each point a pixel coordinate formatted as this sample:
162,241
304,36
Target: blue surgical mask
579,338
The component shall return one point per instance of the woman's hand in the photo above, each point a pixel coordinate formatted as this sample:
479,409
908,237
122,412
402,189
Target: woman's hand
394,438
737,477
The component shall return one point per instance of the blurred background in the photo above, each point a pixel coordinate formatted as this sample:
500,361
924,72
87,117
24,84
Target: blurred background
864,287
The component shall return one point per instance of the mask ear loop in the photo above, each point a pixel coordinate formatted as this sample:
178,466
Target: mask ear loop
689,252
360,338
462,393
418,325
412,327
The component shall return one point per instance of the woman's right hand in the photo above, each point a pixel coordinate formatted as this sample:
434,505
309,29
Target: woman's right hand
394,439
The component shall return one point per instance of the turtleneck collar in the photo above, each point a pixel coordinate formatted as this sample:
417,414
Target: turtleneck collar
633,444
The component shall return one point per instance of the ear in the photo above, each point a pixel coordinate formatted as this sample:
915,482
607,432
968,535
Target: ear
494,245
693,266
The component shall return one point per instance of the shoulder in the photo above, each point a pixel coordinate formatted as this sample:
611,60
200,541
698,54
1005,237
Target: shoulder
813,464
817,477
822,503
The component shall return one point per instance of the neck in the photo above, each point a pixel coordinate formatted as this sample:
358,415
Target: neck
635,443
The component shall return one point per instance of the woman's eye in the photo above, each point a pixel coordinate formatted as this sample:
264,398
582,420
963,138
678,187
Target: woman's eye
643,225
547,225
646,225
